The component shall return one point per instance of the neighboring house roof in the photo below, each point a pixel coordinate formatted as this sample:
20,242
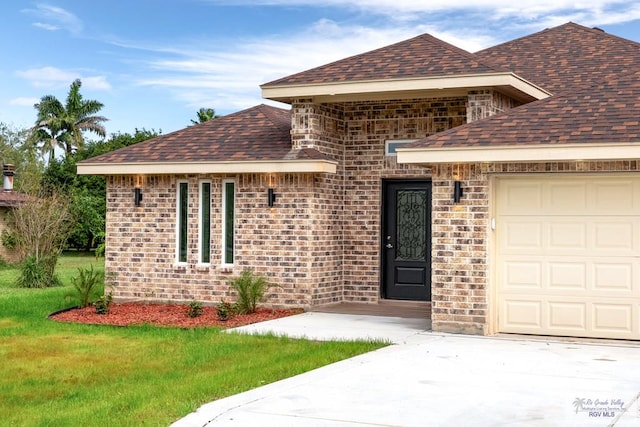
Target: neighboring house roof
418,64
257,139
594,115
12,199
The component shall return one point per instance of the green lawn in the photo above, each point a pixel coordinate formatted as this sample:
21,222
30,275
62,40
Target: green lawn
55,374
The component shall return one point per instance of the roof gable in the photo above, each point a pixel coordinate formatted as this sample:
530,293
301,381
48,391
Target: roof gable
421,56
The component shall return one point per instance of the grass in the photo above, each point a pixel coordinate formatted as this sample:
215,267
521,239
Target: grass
55,374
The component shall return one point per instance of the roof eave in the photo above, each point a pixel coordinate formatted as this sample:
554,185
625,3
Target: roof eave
173,168
337,91
517,153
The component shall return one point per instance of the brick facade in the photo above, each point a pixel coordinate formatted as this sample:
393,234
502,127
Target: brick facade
320,243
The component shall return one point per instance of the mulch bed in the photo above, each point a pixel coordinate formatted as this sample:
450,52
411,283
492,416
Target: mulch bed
174,315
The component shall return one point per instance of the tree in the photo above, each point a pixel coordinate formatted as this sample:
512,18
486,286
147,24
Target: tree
204,115
16,149
62,126
87,194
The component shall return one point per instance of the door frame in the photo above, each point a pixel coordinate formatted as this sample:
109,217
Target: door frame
381,234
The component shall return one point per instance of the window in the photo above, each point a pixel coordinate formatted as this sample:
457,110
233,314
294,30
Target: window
205,223
182,208
228,220
391,145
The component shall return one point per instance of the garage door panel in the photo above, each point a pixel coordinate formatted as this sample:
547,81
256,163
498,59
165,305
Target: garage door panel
567,276
524,235
563,197
612,196
568,255
567,235
609,277
613,317
523,275
615,236
567,316
522,315
522,197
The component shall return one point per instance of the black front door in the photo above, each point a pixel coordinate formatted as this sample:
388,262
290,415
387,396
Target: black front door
406,240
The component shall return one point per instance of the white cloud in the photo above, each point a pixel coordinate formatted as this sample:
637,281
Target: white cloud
24,101
53,18
229,79
45,26
95,83
52,77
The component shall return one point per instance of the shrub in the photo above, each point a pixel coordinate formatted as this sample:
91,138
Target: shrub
225,310
195,309
250,289
85,285
9,239
38,272
103,303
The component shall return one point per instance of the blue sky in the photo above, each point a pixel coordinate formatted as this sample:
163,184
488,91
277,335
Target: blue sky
154,63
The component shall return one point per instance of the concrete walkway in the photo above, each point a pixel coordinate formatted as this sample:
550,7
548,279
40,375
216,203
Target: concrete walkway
430,379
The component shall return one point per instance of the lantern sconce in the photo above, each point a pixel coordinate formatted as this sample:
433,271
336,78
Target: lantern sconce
457,191
271,197
137,196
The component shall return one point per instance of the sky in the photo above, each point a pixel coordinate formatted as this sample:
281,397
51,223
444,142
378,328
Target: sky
154,63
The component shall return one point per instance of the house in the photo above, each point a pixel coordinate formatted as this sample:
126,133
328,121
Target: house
501,187
9,199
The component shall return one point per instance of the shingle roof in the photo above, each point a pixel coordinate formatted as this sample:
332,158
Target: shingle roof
12,199
596,80
258,133
606,113
566,56
422,56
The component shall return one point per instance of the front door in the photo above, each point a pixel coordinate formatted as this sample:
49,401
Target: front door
406,240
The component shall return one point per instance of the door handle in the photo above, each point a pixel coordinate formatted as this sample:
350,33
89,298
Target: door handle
389,246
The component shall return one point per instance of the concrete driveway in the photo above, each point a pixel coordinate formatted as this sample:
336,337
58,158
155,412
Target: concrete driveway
432,379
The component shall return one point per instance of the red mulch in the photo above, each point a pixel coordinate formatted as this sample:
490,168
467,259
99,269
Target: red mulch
165,315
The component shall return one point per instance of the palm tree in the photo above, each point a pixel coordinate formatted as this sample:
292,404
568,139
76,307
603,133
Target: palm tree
62,126
204,115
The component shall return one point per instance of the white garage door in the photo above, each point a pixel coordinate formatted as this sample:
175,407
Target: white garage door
568,255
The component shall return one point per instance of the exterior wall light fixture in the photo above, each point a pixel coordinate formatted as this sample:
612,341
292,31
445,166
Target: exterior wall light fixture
271,197
457,191
137,196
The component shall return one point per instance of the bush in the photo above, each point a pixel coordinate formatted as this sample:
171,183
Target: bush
85,284
250,289
225,310
38,273
195,309
9,239
103,303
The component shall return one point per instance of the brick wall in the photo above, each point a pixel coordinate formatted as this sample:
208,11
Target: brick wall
9,255
486,103
277,242
369,125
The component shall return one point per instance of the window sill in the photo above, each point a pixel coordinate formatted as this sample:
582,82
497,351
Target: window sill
203,267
